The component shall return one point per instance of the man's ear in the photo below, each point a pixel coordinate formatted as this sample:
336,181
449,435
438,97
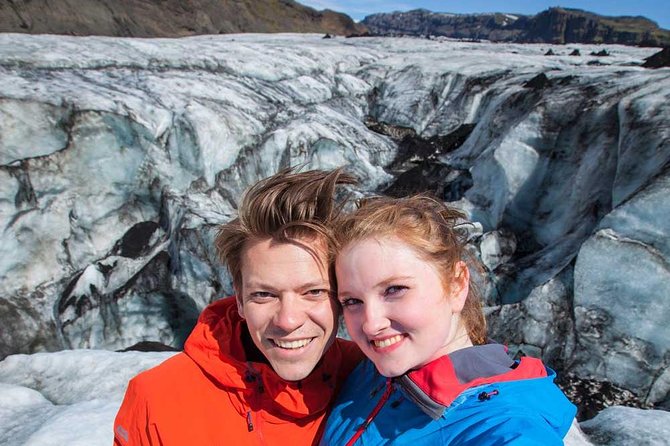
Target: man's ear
238,300
460,286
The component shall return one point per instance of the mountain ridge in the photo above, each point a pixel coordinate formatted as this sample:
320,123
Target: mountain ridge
168,18
555,25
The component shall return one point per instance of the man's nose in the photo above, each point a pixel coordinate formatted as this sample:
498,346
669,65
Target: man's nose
291,313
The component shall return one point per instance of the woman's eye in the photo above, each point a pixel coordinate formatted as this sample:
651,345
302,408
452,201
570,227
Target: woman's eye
317,293
394,290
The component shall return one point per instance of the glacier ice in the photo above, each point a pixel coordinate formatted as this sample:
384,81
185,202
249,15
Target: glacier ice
119,157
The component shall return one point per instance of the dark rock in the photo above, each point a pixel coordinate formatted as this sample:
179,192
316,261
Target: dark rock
601,53
650,43
658,60
25,195
456,184
468,27
395,132
364,34
555,25
416,164
550,53
413,147
16,314
149,346
575,52
327,36
591,396
135,241
565,25
539,82
435,178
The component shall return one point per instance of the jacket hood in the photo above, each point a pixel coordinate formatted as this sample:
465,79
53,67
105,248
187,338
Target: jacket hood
215,345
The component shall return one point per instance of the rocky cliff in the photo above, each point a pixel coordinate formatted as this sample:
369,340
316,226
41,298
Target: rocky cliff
168,18
555,25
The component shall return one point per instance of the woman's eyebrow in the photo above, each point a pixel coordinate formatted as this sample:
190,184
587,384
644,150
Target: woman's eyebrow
392,279
384,282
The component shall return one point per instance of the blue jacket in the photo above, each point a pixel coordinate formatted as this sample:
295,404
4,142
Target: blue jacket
454,400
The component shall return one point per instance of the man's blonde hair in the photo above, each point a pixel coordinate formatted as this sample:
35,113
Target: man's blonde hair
287,207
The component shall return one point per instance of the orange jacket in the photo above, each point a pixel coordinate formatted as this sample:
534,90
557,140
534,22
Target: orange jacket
209,394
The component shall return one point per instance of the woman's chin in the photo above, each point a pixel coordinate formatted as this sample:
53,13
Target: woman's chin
391,370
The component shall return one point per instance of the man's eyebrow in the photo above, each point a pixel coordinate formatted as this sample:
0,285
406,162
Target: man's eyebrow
258,285
316,283
302,286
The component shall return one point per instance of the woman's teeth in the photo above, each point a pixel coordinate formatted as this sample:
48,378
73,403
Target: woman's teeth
388,341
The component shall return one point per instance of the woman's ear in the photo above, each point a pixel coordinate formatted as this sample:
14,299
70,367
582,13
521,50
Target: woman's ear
460,286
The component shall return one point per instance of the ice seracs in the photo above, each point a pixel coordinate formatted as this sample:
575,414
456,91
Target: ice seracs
110,143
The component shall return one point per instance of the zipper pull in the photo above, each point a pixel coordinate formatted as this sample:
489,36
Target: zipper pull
250,424
487,396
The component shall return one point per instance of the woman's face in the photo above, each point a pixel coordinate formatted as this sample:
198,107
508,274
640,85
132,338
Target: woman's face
395,305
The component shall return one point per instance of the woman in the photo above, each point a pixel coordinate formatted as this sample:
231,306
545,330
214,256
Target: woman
430,377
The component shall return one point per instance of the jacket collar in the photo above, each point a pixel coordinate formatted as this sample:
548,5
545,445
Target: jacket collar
436,385
216,346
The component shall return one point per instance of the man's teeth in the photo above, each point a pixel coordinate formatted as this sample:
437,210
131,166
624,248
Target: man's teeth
292,344
388,341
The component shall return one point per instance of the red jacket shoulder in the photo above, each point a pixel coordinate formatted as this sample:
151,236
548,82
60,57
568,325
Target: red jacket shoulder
174,369
351,356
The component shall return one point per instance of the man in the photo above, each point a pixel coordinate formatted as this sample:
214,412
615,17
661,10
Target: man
261,367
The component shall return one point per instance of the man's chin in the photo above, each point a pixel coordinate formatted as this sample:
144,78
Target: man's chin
296,364
293,372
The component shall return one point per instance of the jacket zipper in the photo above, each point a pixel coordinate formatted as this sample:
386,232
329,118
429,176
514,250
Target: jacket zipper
387,393
250,423
252,376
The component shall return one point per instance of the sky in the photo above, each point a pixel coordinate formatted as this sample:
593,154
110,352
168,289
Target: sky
657,10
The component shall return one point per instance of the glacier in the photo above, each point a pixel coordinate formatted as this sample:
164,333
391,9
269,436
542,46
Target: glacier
119,158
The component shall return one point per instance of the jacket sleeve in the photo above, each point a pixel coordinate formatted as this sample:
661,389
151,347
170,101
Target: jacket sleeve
133,425
514,431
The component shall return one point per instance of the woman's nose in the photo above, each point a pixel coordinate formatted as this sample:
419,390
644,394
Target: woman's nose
375,320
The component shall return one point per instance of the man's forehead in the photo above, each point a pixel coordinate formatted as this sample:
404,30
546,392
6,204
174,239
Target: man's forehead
268,251
314,244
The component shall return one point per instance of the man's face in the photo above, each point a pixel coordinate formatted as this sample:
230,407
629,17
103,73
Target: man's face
285,298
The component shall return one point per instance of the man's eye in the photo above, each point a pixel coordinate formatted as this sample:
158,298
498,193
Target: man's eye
395,290
318,292
261,294
349,302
